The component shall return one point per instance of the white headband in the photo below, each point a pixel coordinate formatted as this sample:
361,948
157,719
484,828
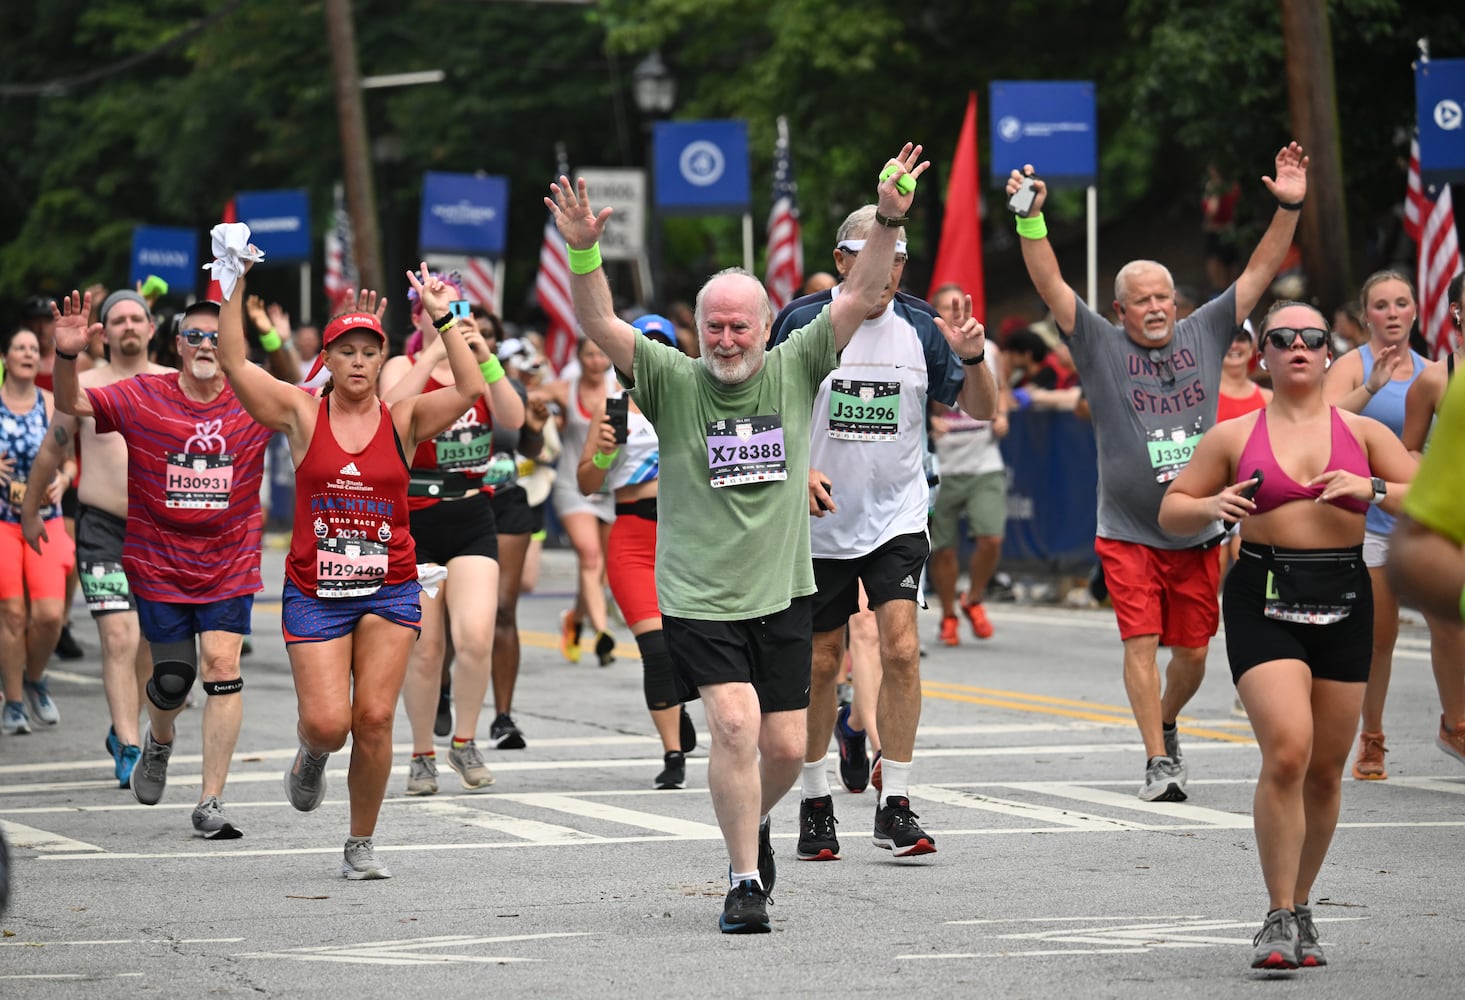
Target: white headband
855,246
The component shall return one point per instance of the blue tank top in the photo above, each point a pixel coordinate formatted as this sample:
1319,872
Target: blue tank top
21,436
1387,407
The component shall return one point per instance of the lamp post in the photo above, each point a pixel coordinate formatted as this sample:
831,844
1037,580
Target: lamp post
655,93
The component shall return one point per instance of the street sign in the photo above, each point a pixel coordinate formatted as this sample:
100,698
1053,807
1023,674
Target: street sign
279,223
1052,124
464,213
1439,104
701,167
624,191
171,254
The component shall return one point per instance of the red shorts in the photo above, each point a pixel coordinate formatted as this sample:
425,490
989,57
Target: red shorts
1166,592
630,566
23,572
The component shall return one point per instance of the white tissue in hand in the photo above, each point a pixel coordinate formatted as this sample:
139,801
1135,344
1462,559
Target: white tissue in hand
231,250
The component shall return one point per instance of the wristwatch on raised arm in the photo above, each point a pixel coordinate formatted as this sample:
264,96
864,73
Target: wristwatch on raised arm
1380,490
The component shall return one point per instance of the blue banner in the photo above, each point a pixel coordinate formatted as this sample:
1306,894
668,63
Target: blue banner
1053,125
701,167
171,254
279,223
1053,479
1439,104
464,213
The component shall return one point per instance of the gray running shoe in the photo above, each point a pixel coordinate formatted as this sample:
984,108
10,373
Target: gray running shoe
150,776
1309,952
1172,750
1164,781
38,698
14,721
210,823
468,762
305,781
422,775
360,862
1276,944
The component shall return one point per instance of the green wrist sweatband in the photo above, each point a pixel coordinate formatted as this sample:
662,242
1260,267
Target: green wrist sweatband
270,340
584,261
492,369
1462,604
603,461
1033,228
905,185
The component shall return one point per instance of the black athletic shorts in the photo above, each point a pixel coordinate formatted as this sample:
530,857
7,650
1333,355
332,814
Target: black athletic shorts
773,654
99,537
452,528
1339,651
512,513
890,573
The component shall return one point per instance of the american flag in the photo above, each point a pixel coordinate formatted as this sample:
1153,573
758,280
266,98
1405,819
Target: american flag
1431,224
552,288
340,267
785,245
481,276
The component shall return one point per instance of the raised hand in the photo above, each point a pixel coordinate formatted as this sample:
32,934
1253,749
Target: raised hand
892,202
365,301
1040,188
573,217
280,320
968,338
257,313
1291,183
434,293
73,331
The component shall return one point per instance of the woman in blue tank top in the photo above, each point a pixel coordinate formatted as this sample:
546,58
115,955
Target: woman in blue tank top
1374,381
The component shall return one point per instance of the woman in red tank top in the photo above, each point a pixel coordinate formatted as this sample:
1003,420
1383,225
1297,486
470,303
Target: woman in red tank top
350,606
1298,604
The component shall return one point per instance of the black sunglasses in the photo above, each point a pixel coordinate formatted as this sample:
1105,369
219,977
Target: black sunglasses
195,338
1283,337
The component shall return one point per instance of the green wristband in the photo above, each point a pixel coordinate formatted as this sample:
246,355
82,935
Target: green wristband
1462,604
492,369
905,185
1032,228
584,261
602,461
270,340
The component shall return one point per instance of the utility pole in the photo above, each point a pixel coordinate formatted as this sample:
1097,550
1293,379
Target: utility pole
1312,101
355,155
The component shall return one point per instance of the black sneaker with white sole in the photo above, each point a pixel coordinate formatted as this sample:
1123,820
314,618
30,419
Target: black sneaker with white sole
817,840
504,735
745,911
897,831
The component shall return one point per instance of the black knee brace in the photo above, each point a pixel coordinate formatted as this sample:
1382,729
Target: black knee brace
212,688
658,676
175,666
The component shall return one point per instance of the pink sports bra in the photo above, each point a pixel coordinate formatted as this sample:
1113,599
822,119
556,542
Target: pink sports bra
1279,488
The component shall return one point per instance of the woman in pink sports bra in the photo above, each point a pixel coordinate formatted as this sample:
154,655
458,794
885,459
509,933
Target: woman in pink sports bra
1298,605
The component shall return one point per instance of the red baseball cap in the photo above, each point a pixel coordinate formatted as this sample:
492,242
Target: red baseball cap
335,329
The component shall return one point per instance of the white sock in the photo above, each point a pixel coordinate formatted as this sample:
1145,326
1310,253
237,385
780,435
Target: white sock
815,781
738,878
897,775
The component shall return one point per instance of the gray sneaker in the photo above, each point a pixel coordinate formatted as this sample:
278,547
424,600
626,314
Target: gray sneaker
468,762
1276,943
14,721
1164,781
422,776
1309,952
210,823
150,775
1172,750
360,862
305,781
38,698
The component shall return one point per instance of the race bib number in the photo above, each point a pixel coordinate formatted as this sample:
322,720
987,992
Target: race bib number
464,449
104,586
864,411
349,567
1301,611
1170,450
197,481
746,450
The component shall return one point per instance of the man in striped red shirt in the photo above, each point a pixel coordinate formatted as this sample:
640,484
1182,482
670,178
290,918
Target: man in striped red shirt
192,549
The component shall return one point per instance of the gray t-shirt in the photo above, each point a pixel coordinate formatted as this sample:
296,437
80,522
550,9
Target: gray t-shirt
1150,407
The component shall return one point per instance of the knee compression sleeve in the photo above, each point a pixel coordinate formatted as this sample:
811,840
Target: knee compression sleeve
212,688
658,678
175,666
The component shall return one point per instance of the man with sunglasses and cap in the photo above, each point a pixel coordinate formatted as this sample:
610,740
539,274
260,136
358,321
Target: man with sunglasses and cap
1152,386
192,548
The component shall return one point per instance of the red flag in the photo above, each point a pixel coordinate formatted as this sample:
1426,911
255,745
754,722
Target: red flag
959,257
785,244
552,289
216,291
1431,224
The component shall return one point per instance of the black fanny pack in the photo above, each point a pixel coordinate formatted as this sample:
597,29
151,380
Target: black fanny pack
1310,586
644,508
441,485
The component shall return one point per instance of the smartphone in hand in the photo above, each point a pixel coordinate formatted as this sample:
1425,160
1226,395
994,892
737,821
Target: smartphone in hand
1250,491
460,308
617,411
1021,202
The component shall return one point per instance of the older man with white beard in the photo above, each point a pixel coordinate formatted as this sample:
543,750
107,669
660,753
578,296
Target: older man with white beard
733,570
192,549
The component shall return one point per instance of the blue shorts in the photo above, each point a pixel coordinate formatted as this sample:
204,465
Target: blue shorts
304,618
164,621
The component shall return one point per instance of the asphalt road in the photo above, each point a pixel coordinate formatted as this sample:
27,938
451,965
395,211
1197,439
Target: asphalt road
572,876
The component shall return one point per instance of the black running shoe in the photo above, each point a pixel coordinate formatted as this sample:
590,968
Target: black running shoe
896,829
817,841
767,870
674,771
504,735
689,732
67,647
854,766
746,910
443,725
605,649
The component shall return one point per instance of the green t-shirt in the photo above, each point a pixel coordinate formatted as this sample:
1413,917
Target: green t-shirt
740,550
1434,495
